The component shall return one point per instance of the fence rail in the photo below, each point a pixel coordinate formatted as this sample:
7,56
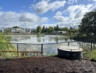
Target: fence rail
35,49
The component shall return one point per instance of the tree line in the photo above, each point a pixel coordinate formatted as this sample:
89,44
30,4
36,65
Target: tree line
44,29
55,28
47,29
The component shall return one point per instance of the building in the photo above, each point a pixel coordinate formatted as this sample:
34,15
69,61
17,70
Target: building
59,32
17,30
2,29
20,30
33,31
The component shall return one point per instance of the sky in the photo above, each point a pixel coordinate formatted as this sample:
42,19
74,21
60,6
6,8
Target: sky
33,13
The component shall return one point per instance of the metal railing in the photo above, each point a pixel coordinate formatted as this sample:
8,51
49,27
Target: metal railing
28,49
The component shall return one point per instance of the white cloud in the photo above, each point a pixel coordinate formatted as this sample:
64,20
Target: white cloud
69,17
94,0
60,18
8,17
49,24
74,14
57,4
58,13
72,1
44,19
44,6
77,11
93,8
26,19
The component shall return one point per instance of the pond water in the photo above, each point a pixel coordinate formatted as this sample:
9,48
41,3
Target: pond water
39,39
50,43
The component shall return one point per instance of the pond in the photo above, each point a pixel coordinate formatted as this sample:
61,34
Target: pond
39,39
50,43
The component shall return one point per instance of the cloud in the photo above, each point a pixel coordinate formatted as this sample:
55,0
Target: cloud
93,8
57,4
94,0
8,17
76,11
49,24
59,18
44,19
41,7
70,16
44,6
25,19
74,15
28,17
72,1
58,13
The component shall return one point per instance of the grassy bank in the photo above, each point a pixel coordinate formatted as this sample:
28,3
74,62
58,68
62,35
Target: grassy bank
90,55
5,45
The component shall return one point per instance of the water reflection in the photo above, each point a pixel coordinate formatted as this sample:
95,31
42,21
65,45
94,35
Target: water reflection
32,42
38,39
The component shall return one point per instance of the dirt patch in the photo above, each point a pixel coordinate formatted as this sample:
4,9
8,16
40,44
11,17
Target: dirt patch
46,65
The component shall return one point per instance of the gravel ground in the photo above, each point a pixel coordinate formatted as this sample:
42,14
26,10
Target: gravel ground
46,65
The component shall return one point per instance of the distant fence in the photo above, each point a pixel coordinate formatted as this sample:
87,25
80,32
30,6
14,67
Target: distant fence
28,49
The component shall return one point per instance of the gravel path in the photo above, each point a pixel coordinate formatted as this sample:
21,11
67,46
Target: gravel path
46,65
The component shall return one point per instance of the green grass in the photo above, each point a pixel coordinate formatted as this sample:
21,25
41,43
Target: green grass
5,45
90,55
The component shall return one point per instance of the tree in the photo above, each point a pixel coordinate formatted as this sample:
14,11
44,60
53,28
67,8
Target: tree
7,30
88,24
56,28
43,29
50,29
63,29
39,29
15,27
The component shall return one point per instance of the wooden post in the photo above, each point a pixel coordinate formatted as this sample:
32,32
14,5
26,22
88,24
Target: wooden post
17,50
68,43
42,49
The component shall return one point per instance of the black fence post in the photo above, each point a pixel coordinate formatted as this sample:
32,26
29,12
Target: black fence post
42,49
17,50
